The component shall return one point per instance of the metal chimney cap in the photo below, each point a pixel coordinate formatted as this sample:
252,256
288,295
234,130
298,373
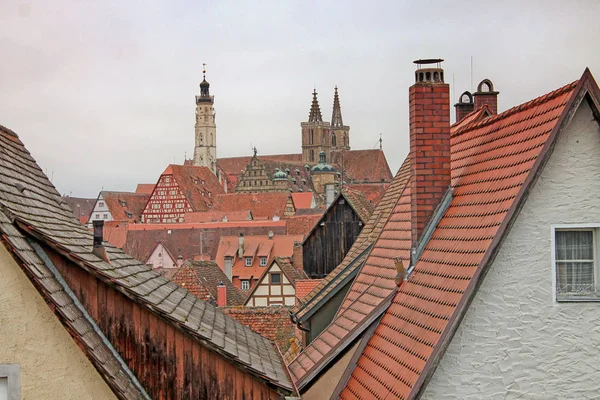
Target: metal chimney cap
428,61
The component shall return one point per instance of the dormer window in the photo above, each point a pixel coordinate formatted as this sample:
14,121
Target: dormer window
263,261
100,204
248,261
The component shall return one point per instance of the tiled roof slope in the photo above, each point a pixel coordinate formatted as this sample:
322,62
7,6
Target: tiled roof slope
373,284
115,233
217,216
304,286
301,224
263,205
145,188
201,278
81,207
234,165
367,237
359,203
493,161
362,165
39,210
373,192
302,199
125,206
198,184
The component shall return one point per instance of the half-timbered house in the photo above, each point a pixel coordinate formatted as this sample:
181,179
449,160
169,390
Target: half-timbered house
277,285
181,189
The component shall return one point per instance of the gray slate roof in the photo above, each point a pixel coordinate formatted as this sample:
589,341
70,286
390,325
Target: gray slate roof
28,197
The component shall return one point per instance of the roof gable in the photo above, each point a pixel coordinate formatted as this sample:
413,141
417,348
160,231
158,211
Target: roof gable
494,163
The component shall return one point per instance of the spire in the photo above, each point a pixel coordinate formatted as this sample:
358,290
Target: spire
315,111
204,85
336,116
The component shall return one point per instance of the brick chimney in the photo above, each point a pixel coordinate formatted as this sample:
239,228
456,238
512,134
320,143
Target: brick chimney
464,106
485,94
98,250
298,256
179,261
221,295
429,100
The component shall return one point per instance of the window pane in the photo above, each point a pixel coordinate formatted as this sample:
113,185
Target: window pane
574,245
275,278
3,388
575,277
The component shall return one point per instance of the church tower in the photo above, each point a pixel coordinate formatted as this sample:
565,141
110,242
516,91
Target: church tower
315,134
205,151
340,133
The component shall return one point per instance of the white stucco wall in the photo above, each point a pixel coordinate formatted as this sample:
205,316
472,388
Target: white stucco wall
515,340
52,366
100,208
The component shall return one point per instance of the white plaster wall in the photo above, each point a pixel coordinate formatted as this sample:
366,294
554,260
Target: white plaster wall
52,365
160,258
100,210
515,342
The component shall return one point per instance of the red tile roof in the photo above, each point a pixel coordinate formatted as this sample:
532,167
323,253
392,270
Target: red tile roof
201,278
493,162
125,206
359,203
304,286
282,246
302,200
217,216
144,188
198,184
263,205
373,192
362,165
301,224
115,233
356,255
234,165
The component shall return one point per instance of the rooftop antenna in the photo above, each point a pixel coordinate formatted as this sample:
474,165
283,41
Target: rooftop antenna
380,141
471,74
204,71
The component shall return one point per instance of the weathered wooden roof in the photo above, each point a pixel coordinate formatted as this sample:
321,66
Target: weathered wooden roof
29,201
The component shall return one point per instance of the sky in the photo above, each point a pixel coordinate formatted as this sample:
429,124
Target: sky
102,93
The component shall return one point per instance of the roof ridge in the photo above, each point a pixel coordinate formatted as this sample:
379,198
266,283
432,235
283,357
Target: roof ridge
519,108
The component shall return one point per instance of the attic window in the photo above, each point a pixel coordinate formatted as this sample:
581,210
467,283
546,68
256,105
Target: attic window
100,204
248,261
123,203
263,261
576,264
276,279
129,215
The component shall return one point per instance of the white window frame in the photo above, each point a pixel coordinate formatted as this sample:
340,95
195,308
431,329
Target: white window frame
245,284
263,261
595,227
12,373
248,261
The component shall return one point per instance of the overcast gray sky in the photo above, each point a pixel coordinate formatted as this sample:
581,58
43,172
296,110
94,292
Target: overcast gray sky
102,92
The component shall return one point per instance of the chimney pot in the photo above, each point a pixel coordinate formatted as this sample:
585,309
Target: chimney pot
241,245
298,256
485,94
221,295
464,106
179,260
98,248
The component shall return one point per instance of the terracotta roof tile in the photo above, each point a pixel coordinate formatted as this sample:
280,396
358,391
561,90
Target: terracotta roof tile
289,270
115,233
359,203
198,184
201,278
362,165
125,206
373,192
491,159
263,205
145,188
301,224
375,281
217,216
302,200
304,286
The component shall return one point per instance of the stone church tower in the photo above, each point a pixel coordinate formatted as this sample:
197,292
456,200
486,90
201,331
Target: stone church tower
340,133
315,134
205,151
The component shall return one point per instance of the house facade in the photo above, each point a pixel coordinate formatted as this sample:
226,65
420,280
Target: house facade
118,206
277,285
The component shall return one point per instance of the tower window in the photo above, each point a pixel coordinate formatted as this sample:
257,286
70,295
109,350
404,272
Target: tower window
312,136
312,156
333,140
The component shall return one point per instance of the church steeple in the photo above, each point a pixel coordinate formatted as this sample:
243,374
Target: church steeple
205,151
336,116
340,133
315,110
204,87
